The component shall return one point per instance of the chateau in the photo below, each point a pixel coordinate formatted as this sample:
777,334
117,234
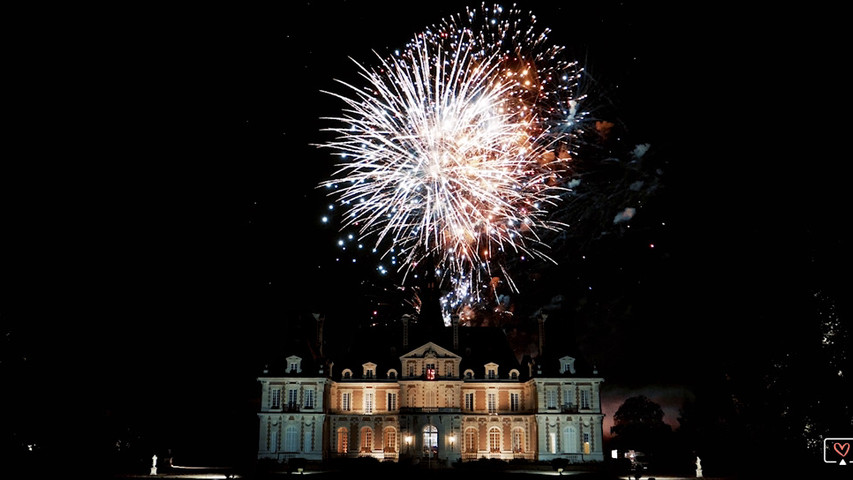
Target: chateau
429,392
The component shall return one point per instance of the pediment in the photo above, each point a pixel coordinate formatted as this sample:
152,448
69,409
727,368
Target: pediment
430,350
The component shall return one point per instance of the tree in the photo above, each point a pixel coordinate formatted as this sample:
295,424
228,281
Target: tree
639,425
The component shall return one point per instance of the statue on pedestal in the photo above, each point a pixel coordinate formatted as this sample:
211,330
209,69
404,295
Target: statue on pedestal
698,467
153,465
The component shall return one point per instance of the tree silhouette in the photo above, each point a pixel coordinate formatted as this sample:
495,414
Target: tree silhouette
638,425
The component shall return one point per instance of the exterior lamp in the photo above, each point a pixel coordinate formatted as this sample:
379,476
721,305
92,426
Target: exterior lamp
452,440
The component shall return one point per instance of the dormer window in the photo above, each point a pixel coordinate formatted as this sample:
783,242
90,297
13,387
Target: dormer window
567,364
346,374
513,374
492,371
369,370
294,364
469,374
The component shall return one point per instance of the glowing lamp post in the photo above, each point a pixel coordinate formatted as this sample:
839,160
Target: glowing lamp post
408,439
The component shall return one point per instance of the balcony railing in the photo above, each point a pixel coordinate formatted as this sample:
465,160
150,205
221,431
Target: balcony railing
430,410
289,408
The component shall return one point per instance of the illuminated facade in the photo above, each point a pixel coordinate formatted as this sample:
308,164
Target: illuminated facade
457,394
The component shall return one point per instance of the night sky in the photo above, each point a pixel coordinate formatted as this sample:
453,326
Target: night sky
162,222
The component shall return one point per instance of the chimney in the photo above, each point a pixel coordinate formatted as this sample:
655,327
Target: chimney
405,321
454,320
321,319
542,318
430,318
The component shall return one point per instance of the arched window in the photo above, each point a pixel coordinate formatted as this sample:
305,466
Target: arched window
471,440
343,440
308,440
291,439
518,440
430,439
273,440
389,439
494,439
366,439
570,439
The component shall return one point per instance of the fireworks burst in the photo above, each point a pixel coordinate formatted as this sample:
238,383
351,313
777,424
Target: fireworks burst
460,144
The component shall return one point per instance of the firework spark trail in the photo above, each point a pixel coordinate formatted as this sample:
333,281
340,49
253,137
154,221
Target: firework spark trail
457,147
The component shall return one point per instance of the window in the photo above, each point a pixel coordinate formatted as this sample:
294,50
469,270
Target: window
308,395
514,402
448,369
347,374
293,365
471,440
275,398
291,439
430,371
494,439
585,399
366,439
308,440
492,399
568,398
570,439
518,440
368,402
292,398
274,440
469,375
551,398
369,370
469,402
586,446
430,439
552,443
567,364
411,368
389,443
343,440
392,402
346,401
513,374
392,374
491,374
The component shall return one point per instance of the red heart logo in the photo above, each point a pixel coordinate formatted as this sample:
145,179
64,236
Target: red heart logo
841,448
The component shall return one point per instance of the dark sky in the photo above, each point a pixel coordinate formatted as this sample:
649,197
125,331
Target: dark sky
161,216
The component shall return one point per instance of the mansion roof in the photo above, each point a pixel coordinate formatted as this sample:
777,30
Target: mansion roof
383,346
